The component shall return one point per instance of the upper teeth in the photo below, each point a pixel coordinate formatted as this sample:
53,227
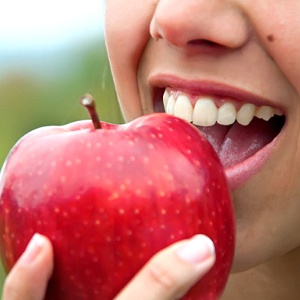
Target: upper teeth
206,113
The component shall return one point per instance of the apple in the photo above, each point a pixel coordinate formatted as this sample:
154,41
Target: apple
110,196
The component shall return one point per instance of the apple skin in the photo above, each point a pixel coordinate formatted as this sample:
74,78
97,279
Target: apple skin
108,199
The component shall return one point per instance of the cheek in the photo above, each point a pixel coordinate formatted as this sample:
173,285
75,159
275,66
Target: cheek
127,33
279,31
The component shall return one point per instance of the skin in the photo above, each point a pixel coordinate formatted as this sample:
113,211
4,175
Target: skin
250,45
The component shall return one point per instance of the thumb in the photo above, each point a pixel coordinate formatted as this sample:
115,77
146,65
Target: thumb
173,271
29,277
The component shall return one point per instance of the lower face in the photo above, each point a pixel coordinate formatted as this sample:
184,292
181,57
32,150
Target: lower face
245,100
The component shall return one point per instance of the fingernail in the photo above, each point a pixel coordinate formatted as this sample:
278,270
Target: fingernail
197,249
32,250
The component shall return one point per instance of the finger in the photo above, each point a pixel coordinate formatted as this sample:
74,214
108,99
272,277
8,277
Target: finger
173,271
29,277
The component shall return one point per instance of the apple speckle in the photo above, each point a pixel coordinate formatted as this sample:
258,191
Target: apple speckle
114,196
77,235
188,151
72,277
95,259
146,160
187,199
150,182
166,167
138,192
162,194
120,158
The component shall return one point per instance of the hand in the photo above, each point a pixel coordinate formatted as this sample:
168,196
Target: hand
168,275
29,277
173,271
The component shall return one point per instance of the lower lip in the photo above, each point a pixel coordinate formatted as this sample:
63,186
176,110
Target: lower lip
238,175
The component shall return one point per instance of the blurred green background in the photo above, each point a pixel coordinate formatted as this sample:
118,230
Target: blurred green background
39,88
34,98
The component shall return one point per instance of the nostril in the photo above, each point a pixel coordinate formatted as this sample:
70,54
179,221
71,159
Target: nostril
203,42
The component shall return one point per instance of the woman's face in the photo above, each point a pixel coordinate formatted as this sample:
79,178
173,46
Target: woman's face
226,58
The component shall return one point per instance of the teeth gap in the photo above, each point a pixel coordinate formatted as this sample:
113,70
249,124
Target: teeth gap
206,113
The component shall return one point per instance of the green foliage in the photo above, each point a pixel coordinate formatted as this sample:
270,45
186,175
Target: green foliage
50,96
28,101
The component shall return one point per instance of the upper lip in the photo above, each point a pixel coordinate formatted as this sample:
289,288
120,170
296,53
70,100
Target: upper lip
208,87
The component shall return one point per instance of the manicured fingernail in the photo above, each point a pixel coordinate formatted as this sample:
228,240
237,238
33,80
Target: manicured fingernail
197,249
33,248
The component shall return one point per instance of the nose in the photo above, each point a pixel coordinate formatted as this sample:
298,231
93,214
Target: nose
202,23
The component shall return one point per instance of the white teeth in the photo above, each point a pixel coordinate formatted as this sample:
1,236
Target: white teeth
206,113
278,112
226,114
245,114
265,113
183,108
169,107
166,97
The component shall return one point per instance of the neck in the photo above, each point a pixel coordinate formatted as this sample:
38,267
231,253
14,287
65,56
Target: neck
276,279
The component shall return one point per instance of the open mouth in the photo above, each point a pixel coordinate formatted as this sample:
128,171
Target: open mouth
236,130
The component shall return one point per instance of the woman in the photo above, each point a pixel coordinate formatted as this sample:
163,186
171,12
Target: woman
238,60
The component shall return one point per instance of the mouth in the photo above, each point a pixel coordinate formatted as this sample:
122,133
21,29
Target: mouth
242,133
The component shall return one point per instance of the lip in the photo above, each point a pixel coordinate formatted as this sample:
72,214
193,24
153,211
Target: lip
238,174
206,87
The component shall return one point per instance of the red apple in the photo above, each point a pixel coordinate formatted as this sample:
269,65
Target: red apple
109,198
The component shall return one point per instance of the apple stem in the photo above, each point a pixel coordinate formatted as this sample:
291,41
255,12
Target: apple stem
90,104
